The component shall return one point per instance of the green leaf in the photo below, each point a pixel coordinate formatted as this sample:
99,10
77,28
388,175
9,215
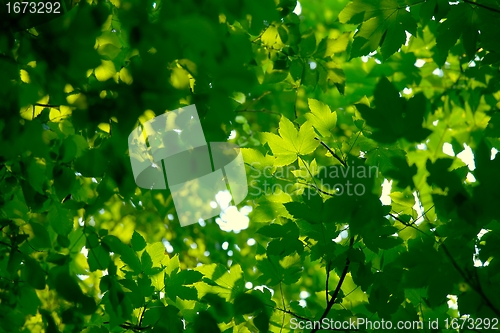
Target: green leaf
41,239
36,175
138,242
462,20
321,117
272,230
219,308
493,128
247,303
176,284
329,46
307,44
402,172
311,209
98,258
61,219
393,116
157,252
291,143
383,23
127,255
33,274
227,284
205,322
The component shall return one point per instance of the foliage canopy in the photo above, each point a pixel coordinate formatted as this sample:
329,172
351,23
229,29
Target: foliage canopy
316,94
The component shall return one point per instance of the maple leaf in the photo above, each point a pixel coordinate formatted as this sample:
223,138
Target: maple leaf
290,143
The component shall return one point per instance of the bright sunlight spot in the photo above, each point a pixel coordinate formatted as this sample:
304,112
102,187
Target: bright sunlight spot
448,149
493,153
386,190
418,208
298,9
452,302
408,36
421,146
419,63
439,72
230,218
168,246
467,157
470,178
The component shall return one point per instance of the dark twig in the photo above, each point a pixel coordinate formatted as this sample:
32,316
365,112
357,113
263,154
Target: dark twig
483,6
327,278
47,105
332,152
339,286
262,111
316,188
6,225
290,313
130,326
476,286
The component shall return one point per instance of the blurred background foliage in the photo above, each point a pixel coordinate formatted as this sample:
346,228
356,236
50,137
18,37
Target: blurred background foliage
410,87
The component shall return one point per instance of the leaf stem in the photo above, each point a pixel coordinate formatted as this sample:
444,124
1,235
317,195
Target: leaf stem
338,288
262,111
482,6
47,105
290,313
332,152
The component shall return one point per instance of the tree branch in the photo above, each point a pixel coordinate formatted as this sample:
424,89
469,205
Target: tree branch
482,6
262,111
338,288
332,152
47,105
290,313
327,278
476,286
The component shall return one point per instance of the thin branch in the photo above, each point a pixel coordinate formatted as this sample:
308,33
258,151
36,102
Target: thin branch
6,225
282,297
339,286
295,104
483,295
476,286
142,314
262,111
47,105
289,312
482,6
327,278
130,326
261,34
332,152
413,4
30,33
310,173
9,245
315,187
